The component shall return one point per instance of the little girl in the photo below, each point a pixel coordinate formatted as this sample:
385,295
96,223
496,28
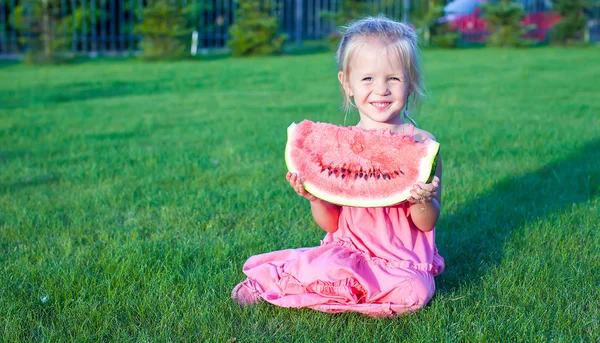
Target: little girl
376,261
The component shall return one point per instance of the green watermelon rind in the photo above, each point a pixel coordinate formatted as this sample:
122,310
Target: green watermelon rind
427,171
433,167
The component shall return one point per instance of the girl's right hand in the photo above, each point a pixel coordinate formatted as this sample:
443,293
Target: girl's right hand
296,183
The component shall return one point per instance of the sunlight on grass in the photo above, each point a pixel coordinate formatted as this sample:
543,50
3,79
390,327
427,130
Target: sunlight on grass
131,194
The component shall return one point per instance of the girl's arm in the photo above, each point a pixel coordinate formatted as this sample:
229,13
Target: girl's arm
426,201
326,214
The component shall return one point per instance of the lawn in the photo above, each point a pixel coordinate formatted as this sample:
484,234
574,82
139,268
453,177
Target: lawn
132,193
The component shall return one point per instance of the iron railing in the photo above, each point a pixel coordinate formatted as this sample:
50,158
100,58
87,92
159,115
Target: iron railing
106,27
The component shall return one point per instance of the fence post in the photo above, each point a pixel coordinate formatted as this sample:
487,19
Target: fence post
299,21
3,35
405,10
94,38
13,31
74,27
84,42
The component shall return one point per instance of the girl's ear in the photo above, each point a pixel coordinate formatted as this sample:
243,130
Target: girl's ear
345,85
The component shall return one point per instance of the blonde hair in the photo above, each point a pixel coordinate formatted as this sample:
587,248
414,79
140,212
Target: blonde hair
396,36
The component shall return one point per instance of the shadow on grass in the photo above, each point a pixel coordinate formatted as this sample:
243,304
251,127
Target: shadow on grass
6,63
471,239
81,91
48,179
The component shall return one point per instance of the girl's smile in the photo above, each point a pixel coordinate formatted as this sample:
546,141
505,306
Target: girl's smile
377,83
381,105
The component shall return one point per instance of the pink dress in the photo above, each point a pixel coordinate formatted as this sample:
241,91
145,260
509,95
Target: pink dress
377,263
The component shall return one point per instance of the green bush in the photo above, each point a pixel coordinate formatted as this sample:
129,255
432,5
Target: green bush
165,30
255,31
445,40
349,11
41,27
426,22
333,40
504,20
571,26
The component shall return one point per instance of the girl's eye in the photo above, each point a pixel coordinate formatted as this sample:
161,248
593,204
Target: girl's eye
394,79
367,79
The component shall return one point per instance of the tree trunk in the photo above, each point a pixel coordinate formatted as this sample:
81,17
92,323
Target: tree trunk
46,29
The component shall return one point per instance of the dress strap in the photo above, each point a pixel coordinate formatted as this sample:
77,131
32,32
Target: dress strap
411,131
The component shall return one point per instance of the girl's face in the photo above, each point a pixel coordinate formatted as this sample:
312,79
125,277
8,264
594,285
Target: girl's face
377,82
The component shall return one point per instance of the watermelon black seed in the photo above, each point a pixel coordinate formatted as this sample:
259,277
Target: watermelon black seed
343,176
355,176
397,173
330,173
401,172
343,170
361,174
378,176
335,171
366,176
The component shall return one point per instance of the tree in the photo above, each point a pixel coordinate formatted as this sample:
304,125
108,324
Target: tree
44,31
425,17
504,20
572,23
165,28
349,11
256,31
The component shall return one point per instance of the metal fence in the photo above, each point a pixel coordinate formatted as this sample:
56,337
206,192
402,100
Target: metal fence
106,27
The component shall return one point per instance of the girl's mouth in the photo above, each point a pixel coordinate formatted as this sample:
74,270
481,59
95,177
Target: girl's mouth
381,104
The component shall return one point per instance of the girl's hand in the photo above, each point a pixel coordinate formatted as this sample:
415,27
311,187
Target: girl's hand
296,183
424,192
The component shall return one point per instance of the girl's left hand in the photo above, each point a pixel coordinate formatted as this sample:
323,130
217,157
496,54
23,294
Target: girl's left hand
424,192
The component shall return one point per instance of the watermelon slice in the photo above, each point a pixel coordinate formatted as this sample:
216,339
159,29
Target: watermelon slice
355,167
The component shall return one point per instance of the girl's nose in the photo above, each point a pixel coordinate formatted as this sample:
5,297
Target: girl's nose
382,89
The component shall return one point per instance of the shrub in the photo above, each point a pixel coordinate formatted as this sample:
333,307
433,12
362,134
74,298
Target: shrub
571,26
349,11
165,30
504,20
40,26
445,40
426,21
255,31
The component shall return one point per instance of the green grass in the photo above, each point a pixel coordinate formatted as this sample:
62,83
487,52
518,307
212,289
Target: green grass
131,194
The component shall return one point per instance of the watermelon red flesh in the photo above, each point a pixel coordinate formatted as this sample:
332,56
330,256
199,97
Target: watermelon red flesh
355,167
